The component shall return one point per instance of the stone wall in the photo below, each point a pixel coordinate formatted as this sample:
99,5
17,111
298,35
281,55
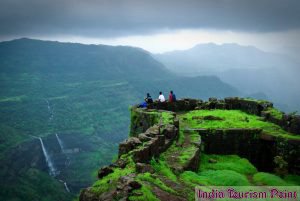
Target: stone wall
141,149
290,123
143,119
149,137
259,148
151,143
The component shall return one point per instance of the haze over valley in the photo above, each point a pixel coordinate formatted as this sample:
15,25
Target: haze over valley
254,72
71,70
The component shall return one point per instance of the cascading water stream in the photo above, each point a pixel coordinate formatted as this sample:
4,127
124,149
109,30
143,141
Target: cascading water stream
49,110
62,148
52,170
66,187
61,144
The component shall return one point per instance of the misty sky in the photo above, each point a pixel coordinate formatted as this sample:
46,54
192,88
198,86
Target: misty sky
156,25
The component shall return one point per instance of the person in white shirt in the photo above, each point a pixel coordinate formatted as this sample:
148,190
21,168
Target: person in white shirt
161,97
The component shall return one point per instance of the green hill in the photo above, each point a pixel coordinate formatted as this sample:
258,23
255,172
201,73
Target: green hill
82,93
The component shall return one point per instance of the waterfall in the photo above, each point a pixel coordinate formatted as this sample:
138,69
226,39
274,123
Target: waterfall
61,144
62,148
66,186
49,110
52,171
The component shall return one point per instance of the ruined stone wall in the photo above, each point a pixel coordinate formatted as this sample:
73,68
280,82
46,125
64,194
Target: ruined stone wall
150,143
142,119
290,123
149,137
259,148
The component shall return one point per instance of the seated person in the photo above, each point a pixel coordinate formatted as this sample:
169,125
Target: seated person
148,99
172,97
161,97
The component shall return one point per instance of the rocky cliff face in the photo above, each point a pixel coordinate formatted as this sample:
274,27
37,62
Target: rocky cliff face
175,146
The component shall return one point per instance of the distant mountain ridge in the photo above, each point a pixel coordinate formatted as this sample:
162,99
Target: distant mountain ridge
51,57
248,68
212,58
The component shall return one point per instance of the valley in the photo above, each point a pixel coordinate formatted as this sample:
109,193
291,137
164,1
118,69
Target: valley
81,94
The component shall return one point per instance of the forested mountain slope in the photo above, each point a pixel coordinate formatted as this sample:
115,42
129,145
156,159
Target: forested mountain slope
76,98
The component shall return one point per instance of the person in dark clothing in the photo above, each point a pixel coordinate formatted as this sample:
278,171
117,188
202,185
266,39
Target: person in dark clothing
148,99
172,97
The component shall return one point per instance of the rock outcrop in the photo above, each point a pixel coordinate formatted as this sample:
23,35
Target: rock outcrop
156,134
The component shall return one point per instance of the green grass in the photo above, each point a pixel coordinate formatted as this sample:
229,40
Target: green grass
181,137
162,168
193,179
234,119
227,162
275,113
292,179
109,182
224,178
155,181
184,147
263,178
254,100
187,153
215,178
167,117
229,170
146,194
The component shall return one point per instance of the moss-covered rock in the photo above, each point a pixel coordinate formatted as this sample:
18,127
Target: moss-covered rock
218,142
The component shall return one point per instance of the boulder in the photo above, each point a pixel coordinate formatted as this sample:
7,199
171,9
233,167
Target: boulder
142,155
169,131
154,130
295,125
154,145
106,170
143,167
176,123
128,145
134,185
144,137
121,163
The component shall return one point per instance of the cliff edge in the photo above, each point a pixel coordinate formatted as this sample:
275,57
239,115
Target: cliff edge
174,147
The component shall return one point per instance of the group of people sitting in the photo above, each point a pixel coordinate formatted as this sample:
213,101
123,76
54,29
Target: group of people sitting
161,98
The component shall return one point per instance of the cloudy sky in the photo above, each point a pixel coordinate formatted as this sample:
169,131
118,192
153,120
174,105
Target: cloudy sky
156,25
